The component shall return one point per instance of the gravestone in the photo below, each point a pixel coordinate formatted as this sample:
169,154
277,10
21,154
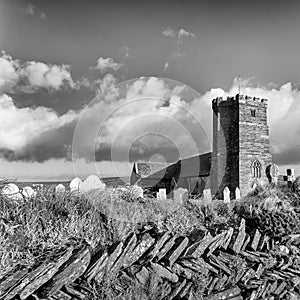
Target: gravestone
237,194
274,172
60,189
207,195
181,194
12,192
226,195
28,192
161,194
92,182
74,184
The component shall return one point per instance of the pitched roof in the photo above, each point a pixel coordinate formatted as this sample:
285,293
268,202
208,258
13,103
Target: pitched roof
195,166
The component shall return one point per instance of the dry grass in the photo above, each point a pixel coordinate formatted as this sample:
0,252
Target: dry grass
33,229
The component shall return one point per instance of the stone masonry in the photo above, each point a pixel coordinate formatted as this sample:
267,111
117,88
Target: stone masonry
236,263
241,149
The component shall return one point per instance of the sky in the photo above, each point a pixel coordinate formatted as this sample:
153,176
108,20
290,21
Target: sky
92,86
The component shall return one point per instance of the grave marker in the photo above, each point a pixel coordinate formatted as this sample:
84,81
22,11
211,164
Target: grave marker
181,194
12,192
92,182
237,194
28,192
226,195
74,184
60,189
290,176
161,194
207,195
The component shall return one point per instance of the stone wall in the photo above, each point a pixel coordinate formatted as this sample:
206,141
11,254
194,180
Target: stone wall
234,263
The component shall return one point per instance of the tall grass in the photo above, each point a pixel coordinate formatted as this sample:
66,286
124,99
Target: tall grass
29,231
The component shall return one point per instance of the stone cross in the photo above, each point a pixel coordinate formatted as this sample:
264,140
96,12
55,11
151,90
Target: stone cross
237,193
161,195
207,195
226,195
181,194
290,176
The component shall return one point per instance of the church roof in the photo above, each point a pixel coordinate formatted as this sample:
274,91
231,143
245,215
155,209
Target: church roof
195,166
144,169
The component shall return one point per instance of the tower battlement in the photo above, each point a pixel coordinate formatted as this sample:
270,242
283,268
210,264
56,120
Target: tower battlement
220,101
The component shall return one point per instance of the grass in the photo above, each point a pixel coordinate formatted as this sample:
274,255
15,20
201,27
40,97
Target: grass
31,230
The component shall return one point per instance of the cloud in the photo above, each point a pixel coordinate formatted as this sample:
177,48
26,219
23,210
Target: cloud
27,77
32,10
177,37
25,133
143,107
183,33
107,63
283,115
41,75
138,119
126,51
29,9
169,32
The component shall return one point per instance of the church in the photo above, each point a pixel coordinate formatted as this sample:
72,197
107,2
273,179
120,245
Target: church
239,158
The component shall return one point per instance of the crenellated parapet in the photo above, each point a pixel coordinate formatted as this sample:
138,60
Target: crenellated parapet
225,101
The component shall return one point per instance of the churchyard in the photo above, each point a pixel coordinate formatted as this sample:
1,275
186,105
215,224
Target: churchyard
91,241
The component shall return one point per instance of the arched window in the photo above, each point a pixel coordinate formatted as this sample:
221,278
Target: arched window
256,169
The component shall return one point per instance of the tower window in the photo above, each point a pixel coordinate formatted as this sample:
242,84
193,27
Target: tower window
256,169
252,111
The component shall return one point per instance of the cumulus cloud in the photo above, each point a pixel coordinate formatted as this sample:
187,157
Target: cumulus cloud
25,133
107,63
16,76
143,107
283,115
140,118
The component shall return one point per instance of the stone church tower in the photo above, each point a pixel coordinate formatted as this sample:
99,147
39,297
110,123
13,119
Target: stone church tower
241,148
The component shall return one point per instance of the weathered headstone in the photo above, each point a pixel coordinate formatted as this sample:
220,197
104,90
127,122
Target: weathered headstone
207,195
237,193
181,194
12,192
60,189
274,173
28,192
92,182
74,184
162,194
226,195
